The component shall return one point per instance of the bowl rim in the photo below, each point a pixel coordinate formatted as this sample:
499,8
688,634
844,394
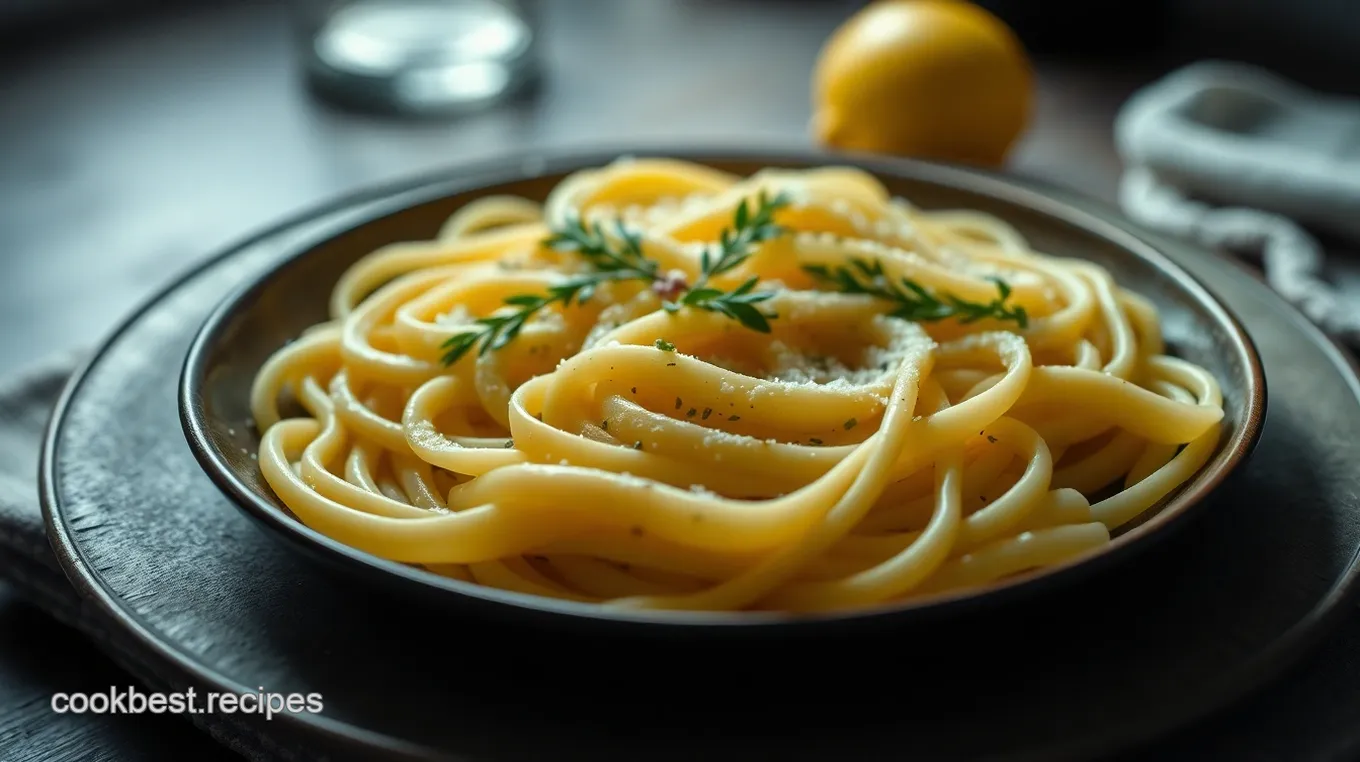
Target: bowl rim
393,198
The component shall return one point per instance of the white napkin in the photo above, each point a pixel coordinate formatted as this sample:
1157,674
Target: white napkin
1240,160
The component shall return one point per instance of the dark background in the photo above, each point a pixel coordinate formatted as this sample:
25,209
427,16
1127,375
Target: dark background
138,137
1314,39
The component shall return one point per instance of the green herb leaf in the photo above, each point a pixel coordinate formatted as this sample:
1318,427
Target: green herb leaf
665,346
912,300
619,256
735,247
748,228
700,295
743,312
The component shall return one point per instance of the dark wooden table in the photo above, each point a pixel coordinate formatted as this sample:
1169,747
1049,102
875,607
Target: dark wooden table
129,153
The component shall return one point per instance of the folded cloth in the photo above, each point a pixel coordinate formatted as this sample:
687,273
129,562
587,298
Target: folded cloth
1239,160
26,561
29,566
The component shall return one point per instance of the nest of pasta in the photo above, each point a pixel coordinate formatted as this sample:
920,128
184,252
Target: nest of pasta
671,387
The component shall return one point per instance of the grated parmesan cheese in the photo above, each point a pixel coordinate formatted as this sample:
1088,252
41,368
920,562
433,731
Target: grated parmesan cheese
716,437
549,320
455,317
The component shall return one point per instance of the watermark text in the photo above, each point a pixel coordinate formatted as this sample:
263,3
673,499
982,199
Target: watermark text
130,700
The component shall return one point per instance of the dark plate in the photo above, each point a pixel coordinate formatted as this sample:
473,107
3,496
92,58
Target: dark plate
275,307
195,596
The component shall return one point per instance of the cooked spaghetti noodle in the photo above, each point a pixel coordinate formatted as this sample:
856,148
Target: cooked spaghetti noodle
923,402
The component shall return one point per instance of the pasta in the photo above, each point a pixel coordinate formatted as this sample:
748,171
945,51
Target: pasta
670,387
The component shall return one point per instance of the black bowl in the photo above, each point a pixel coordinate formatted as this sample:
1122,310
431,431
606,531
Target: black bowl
262,315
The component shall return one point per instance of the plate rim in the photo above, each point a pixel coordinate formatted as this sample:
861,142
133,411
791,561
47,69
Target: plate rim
1283,651
1184,505
76,567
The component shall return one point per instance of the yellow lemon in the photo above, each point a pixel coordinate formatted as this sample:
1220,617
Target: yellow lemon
934,79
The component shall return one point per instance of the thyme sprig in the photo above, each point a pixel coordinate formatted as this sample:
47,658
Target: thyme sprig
496,330
748,228
609,261
600,253
623,260
913,301
738,304
734,247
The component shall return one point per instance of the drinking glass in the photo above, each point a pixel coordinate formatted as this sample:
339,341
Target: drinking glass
418,56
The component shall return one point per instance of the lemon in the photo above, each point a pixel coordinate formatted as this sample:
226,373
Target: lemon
932,79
